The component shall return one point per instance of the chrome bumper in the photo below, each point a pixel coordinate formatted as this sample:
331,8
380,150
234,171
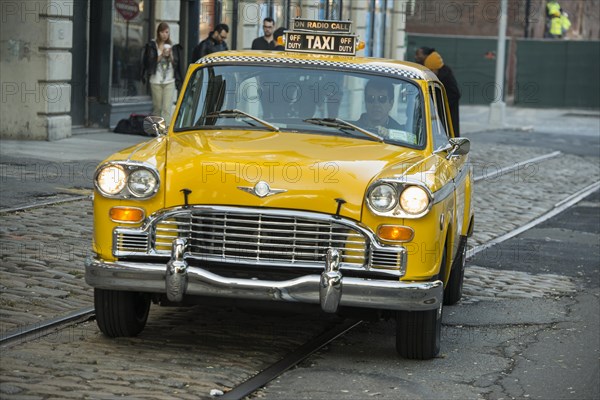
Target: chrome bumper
329,289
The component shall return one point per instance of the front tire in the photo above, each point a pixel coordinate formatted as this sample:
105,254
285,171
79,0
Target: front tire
418,333
120,313
454,289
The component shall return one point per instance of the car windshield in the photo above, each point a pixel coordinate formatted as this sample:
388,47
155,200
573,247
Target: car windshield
303,100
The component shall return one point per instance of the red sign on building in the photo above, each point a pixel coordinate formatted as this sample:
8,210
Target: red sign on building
129,9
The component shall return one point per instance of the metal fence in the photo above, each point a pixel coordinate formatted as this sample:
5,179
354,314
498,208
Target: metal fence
540,73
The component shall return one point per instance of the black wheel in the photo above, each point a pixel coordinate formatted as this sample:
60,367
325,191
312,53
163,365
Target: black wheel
418,333
454,288
121,313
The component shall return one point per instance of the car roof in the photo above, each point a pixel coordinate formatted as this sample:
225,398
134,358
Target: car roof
365,64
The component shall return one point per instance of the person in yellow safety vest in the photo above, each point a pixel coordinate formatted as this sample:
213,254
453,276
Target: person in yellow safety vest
556,28
553,29
560,25
552,9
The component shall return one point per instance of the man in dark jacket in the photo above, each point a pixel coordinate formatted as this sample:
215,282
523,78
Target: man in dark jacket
432,60
213,43
266,42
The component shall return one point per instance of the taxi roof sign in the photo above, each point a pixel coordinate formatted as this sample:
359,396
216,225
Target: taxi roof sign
301,24
322,37
323,43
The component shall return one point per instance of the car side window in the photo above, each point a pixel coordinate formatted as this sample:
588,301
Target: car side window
441,107
438,118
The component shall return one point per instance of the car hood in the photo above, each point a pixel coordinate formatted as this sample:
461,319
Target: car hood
305,171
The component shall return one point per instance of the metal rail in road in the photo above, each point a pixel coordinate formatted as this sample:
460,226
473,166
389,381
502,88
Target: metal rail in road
249,386
44,204
47,327
290,360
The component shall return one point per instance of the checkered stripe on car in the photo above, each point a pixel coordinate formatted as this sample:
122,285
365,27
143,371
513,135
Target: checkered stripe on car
363,67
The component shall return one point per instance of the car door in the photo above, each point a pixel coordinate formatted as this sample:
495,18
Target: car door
456,165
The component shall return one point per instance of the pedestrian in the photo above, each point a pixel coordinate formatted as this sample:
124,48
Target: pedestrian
213,43
266,42
276,35
431,59
557,25
162,67
553,28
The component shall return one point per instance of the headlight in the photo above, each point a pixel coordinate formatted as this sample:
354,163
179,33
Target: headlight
111,179
127,179
383,197
414,200
142,183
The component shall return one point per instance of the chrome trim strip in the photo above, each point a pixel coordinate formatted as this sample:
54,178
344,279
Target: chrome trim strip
327,218
449,187
462,175
444,192
357,292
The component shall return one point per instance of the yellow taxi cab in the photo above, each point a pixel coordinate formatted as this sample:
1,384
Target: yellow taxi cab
308,175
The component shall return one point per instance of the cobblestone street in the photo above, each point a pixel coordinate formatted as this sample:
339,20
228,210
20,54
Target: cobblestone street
41,275
42,249
299,200
228,347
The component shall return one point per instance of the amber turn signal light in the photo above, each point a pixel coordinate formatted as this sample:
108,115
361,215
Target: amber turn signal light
129,215
395,233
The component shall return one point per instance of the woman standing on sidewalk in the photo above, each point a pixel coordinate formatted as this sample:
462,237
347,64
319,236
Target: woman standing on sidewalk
161,67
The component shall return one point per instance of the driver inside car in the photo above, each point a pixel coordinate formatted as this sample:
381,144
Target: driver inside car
379,101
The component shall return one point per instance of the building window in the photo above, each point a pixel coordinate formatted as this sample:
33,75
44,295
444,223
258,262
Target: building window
330,9
377,19
131,31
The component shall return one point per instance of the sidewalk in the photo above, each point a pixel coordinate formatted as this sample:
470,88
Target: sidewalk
82,147
97,145
474,119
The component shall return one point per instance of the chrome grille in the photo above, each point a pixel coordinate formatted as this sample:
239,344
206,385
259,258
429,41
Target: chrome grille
130,241
386,258
260,238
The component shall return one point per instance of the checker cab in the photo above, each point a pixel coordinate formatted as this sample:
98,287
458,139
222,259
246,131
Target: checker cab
290,177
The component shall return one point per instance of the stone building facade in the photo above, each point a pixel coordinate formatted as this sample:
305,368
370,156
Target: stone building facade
35,42
66,65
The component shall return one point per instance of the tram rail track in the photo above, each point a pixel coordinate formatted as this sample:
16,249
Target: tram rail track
24,334
508,169
43,328
45,204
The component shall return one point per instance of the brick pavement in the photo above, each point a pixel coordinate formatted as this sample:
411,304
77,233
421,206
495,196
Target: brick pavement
183,354
41,276
42,250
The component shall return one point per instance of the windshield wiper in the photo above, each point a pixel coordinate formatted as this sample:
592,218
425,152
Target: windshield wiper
234,113
341,124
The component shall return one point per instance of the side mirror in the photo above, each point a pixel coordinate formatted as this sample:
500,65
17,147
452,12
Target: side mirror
155,126
460,147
